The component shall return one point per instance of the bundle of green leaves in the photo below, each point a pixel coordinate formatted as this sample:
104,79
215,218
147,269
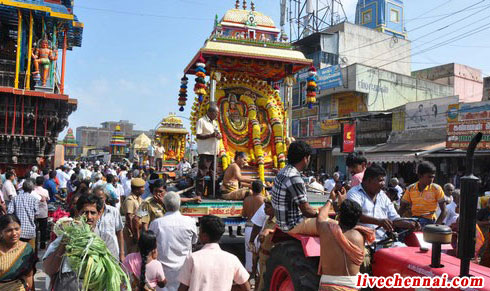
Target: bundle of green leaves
89,257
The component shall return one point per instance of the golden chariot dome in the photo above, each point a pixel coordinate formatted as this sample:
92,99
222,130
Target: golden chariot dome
247,17
171,124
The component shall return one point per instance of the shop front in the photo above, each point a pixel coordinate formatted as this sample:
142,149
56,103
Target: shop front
322,152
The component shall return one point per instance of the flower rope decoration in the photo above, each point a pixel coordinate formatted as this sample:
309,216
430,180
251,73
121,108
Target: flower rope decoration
257,144
183,93
200,86
311,87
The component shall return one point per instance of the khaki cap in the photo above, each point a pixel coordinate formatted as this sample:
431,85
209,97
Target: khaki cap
137,182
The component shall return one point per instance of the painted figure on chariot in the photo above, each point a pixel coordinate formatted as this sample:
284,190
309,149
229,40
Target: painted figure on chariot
44,55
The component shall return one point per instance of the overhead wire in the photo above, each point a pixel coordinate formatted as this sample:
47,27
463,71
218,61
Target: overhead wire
465,9
143,14
458,37
431,33
428,11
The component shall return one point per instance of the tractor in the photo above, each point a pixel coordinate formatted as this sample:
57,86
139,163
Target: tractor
294,259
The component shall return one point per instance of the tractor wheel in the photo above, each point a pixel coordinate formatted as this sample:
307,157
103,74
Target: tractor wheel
289,270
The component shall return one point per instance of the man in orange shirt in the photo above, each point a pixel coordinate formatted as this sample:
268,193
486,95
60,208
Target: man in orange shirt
423,197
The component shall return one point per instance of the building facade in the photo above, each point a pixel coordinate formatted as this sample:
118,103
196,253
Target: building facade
467,81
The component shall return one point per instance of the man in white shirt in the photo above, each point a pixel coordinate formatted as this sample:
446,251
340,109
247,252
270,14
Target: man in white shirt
378,212
452,214
330,183
63,178
175,236
127,184
396,184
122,174
208,136
42,195
34,172
85,174
8,189
98,181
315,187
159,154
183,167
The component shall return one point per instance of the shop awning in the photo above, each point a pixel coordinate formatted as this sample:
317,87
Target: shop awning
391,157
402,152
336,151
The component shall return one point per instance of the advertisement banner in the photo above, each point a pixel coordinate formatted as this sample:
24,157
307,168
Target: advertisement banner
431,113
460,133
473,111
327,78
320,142
349,137
330,77
330,125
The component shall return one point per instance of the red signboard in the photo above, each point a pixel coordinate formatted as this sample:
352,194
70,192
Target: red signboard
460,133
349,137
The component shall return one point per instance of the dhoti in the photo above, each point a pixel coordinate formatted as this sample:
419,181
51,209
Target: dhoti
338,283
248,254
230,191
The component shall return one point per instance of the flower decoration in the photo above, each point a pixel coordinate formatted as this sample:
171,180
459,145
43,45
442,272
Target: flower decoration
311,87
183,93
200,87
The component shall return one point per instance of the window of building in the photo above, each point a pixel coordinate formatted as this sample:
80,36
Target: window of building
330,59
304,127
367,16
302,92
295,128
394,15
296,97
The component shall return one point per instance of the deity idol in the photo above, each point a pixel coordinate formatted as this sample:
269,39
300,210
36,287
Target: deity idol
44,55
236,113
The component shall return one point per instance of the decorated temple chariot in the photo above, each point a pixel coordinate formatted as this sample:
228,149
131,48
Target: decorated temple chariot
70,145
35,36
242,66
118,145
172,135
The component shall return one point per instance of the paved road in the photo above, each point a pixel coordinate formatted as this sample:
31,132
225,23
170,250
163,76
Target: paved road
40,277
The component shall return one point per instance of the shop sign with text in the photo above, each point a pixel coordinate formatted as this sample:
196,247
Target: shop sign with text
459,134
324,142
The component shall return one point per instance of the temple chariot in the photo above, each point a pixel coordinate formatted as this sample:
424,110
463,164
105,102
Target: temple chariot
34,39
246,66
241,67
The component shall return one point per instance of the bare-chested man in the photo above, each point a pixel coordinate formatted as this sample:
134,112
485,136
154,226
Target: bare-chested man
342,243
235,186
250,205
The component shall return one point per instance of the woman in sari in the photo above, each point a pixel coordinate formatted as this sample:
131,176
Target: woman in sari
143,268
17,258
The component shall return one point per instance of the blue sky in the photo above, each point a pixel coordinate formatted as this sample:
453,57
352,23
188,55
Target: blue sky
134,52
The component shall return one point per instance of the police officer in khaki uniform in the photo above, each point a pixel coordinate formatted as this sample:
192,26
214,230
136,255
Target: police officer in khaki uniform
129,209
152,208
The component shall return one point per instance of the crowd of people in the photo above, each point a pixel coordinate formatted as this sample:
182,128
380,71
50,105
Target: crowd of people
130,209
136,213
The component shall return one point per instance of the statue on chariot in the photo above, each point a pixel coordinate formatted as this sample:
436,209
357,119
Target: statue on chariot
43,57
245,61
